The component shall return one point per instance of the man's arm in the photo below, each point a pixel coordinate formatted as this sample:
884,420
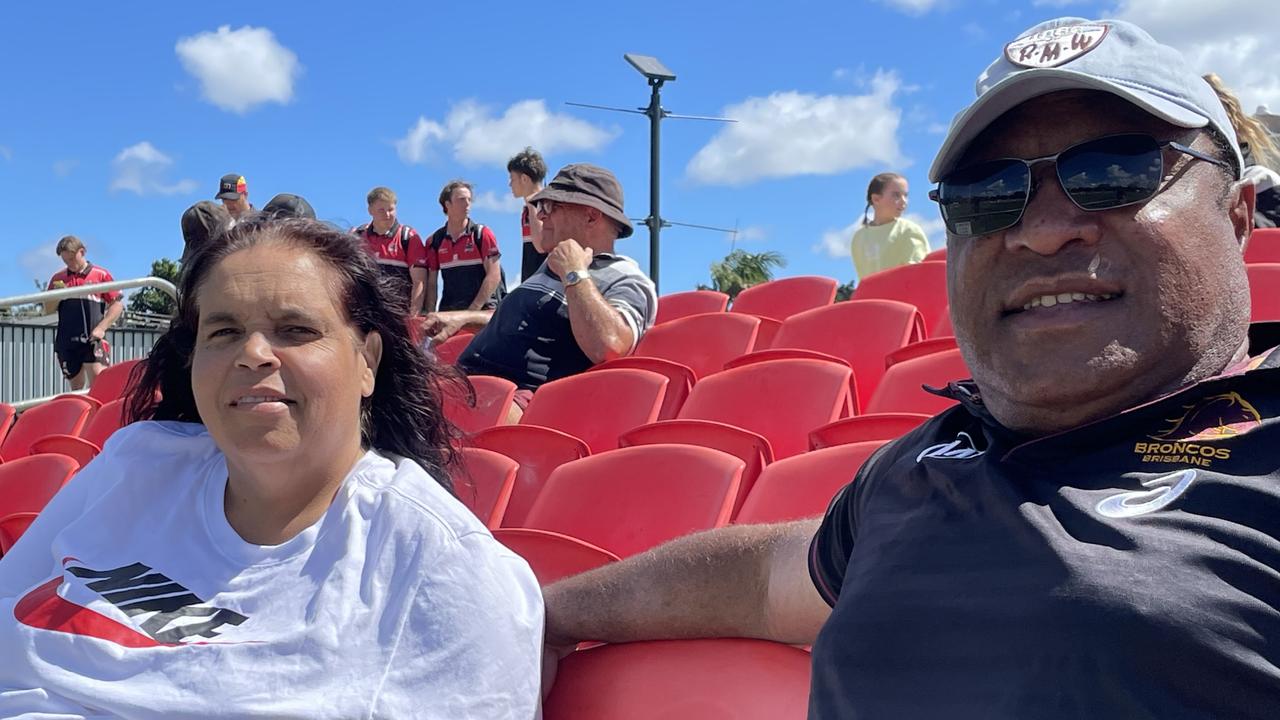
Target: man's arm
443,325
113,312
492,276
433,278
738,581
598,327
418,293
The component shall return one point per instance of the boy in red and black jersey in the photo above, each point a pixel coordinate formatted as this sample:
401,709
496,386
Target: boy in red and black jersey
527,170
80,342
398,248
465,254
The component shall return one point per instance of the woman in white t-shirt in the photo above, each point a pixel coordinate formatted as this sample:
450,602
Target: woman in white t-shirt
278,538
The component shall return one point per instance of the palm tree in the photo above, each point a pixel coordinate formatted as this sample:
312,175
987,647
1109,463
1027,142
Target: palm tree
740,270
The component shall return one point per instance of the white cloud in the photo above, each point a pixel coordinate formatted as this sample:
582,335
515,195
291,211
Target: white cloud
751,233
6,152
792,133
472,134
489,200
141,169
913,7
63,168
239,69
1216,37
40,262
835,243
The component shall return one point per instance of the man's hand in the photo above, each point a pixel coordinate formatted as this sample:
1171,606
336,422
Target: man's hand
99,334
440,326
569,256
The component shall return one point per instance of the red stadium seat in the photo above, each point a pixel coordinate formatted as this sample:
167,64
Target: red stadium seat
56,417
703,343
553,556
447,352
901,392
757,412
780,299
680,379
93,403
802,486
1263,246
11,528
865,428
719,679
1264,292
859,332
598,406
781,400
920,349
766,333
112,383
693,302
751,448
485,483
7,414
944,328
939,255
538,451
493,396
627,501
28,484
88,444
921,284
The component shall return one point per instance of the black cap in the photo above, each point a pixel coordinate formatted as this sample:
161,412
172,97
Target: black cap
590,185
288,205
231,187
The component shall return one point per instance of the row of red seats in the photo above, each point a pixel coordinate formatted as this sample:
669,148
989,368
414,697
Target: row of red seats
653,493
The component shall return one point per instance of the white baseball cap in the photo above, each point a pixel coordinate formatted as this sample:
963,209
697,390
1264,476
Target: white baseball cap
1070,53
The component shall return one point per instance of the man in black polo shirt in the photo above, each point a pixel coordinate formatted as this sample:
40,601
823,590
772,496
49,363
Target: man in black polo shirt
464,256
585,305
1094,531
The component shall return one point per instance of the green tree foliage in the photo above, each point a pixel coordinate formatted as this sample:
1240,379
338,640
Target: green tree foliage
151,300
741,269
844,292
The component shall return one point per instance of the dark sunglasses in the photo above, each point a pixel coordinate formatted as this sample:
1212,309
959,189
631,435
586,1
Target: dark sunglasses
1101,174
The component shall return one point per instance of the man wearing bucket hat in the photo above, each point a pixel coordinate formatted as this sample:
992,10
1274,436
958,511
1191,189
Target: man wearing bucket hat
585,305
1094,531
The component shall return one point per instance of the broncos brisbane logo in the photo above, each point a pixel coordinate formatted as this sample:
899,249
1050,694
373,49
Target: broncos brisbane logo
1212,418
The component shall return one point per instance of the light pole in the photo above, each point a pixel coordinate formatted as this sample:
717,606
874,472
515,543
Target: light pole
657,74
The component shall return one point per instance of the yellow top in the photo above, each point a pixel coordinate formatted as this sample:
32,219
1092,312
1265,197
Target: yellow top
880,247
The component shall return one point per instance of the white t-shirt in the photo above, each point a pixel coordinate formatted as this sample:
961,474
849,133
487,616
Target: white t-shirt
132,596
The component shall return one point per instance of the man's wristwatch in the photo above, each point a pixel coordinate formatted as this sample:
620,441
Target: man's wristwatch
573,277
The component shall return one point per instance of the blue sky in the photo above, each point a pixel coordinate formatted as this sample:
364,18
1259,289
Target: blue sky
119,117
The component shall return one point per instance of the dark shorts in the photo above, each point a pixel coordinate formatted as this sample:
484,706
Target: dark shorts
72,357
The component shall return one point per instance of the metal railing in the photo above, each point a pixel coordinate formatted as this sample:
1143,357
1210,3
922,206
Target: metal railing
45,296
29,373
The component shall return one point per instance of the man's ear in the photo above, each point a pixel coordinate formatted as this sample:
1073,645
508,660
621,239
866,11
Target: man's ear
1240,205
372,354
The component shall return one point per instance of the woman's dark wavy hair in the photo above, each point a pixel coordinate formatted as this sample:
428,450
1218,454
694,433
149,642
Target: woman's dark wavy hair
404,415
